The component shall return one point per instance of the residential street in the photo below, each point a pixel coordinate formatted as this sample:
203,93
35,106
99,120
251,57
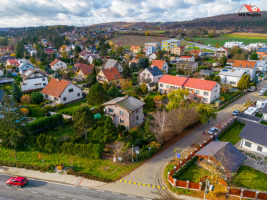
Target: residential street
41,190
152,171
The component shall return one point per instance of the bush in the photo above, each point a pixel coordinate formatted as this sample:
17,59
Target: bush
37,97
59,106
88,176
36,111
47,168
25,111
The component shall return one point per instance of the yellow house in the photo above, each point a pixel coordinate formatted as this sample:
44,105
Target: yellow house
176,50
135,49
83,70
111,76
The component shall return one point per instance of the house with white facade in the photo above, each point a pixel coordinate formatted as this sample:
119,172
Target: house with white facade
152,57
91,58
250,67
187,58
256,46
58,64
149,50
84,55
261,65
203,90
254,138
150,74
61,91
24,67
222,51
153,44
233,44
231,77
161,64
167,44
33,79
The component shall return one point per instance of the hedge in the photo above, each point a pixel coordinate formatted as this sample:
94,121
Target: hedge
45,123
88,176
47,168
36,111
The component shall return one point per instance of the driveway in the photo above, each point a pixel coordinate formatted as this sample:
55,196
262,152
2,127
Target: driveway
151,173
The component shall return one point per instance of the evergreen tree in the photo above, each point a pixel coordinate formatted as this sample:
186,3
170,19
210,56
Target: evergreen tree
244,82
142,63
254,56
16,93
19,50
126,73
223,60
91,78
114,92
37,97
96,95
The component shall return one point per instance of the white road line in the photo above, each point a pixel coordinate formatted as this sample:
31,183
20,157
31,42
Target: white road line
21,190
131,196
61,197
146,199
48,195
115,193
86,188
34,192
100,190
8,187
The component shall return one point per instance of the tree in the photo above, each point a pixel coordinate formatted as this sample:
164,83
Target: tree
126,85
134,67
143,88
177,99
3,41
205,112
19,50
77,49
12,132
142,63
223,60
96,95
254,56
105,86
114,92
217,45
126,73
243,83
83,119
37,97
91,78
147,33
160,54
149,103
25,99
16,93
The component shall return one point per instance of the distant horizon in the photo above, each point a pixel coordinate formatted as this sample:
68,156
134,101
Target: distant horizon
35,13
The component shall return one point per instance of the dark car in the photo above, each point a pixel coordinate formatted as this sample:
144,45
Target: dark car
18,181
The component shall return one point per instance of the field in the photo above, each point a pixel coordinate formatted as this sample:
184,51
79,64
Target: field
132,40
241,37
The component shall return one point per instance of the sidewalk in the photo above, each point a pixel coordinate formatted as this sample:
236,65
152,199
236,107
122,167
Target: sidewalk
54,177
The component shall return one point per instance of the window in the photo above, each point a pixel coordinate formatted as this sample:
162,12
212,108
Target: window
232,83
197,91
167,86
161,85
78,94
205,99
206,93
259,148
55,98
121,113
64,98
70,90
118,82
110,110
247,144
44,84
43,79
121,121
137,117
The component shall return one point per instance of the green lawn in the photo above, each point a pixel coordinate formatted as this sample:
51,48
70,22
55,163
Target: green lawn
99,168
194,173
250,178
233,134
173,72
71,107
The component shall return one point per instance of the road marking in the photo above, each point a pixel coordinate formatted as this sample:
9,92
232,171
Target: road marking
61,197
34,192
100,190
131,196
115,193
8,187
21,190
48,195
86,188
143,184
146,199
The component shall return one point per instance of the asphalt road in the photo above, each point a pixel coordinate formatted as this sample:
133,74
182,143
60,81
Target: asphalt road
41,190
202,46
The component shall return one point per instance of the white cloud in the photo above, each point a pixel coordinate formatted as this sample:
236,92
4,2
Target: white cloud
18,13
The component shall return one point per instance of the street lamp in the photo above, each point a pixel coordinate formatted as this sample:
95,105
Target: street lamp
132,153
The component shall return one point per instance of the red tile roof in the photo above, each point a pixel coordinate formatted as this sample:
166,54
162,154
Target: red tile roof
13,61
54,62
225,49
195,51
173,80
200,84
86,69
112,73
55,87
158,63
186,56
134,61
244,64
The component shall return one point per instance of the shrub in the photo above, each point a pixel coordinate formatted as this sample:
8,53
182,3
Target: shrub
37,97
59,106
47,168
25,111
36,111
88,176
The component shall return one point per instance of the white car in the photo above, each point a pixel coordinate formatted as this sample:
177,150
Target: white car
213,130
261,93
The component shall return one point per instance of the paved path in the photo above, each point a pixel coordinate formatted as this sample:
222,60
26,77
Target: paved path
152,171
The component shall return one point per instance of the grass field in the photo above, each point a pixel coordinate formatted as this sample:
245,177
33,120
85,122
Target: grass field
241,37
194,173
132,40
233,134
71,107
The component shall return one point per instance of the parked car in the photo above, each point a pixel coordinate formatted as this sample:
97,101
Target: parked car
18,181
235,112
213,130
252,89
261,93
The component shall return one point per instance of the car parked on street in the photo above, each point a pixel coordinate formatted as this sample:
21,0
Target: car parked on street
18,181
235,112
213,130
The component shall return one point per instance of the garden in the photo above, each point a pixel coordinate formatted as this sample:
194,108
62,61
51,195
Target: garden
231,134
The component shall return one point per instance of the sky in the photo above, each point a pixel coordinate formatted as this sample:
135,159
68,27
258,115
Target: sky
25,13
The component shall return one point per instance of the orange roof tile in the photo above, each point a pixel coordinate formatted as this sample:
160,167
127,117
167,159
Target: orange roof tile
112,73
134,48
86,69
244,63
173,80
200,84
158,63
55,87
54,62
134,61
195,51
186,56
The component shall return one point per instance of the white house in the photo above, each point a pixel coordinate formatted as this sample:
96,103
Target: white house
231,77
161,64
233,44
187,58
61,91
222,51
152,57
91,58
23,67
255,46
250,67
84,55
149,50
151,74
204,90
58,64
254,138
33,79
261,65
